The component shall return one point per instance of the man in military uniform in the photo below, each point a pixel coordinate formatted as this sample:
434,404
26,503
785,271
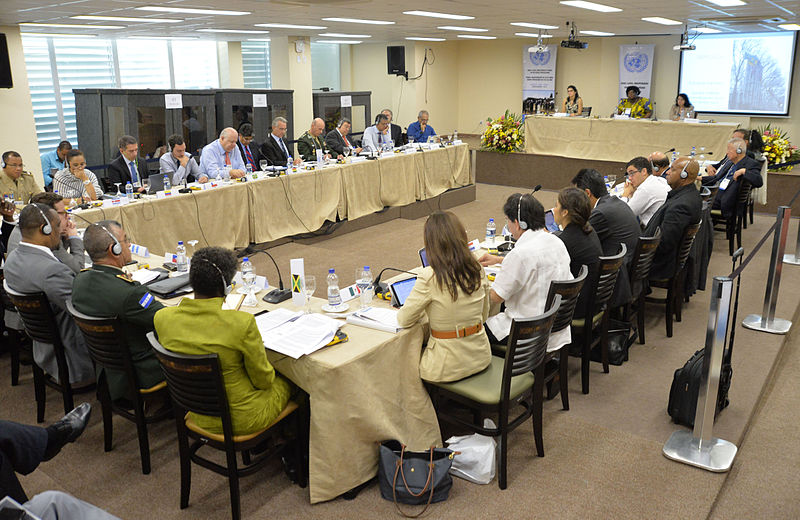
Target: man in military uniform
105,290
14,181
310,142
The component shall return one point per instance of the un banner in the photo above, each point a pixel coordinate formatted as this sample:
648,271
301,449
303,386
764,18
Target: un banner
538,71
635,68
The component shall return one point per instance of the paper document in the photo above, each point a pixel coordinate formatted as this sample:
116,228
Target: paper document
376,318
302,335
272,319
144,276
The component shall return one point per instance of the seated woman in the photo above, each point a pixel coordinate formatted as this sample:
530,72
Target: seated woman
256,394
75,181
573,103
681,109
583,245
454,294
633,105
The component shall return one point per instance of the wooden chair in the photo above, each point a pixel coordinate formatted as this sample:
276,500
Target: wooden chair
196,385
108,347
674,285
639,272
40,325
516,379
734,223
591,330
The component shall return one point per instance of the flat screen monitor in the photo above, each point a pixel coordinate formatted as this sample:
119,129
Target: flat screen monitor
5,64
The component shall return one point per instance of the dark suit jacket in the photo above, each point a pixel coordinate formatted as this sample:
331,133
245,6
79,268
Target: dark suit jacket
397,135
119,171
583,249
254,151
273,153
682,208
725,200
615,223
334,141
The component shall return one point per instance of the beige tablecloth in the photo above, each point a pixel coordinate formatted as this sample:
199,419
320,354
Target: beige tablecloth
621,139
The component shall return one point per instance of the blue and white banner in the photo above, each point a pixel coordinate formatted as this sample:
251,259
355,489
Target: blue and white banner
636,68
538,72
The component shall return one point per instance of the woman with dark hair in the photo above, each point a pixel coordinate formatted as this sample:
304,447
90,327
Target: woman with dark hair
572,104
682,108
633,105
198,326
76,181
453,292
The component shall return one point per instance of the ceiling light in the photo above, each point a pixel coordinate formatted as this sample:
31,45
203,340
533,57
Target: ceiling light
707,30
291,26
534,25
125,19
421,39
358,20
258,39
727,3
59,35
477,37
72,25
596,33
237,31
342,42
342,35
662,21
439,15
590,5
190,10
456,28
789,26
161,38
533,35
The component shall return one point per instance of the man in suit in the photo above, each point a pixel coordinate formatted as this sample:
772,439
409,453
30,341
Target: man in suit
274,148
376,135
337,138
247,147
394,130
737,165
682,208
105,290
128,167
614,223
310,142
32,268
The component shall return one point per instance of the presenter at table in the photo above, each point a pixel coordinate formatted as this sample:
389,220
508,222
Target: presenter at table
633,105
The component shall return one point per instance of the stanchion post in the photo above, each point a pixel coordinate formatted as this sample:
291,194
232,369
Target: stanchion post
794,259
766,321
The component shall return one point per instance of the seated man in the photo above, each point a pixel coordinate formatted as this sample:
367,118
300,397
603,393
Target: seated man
682,208
731,170
660,163
644,192
222,153
274,149
128,167
178,163
419,131
395,131
538,258
337,138
105,290
310,142
14,180
54,161
376,135
614,223
32,268
70,248
248,148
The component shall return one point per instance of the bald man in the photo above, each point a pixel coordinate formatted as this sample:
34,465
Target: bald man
222,153
681,209
660,163
310,142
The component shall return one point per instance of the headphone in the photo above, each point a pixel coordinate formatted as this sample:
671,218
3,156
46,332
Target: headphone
116,249
684,174
46,228
227,288
522,224
739,149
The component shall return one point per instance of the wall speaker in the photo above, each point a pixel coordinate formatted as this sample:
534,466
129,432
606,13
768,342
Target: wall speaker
396,59
5,64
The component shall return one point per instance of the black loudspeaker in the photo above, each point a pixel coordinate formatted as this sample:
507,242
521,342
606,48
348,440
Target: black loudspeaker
396,59
5,64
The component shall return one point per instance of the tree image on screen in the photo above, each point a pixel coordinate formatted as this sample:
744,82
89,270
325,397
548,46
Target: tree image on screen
756,81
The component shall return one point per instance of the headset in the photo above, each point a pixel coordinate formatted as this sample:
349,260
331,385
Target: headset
46,228
522,224
739,150
227,288
684,173
116,249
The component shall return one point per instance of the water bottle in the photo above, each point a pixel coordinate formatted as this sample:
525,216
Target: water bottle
693,152
183,265
364,284
334,297
249,168
491,230
248,274
674,155
455,135
288,165
167,185
129,191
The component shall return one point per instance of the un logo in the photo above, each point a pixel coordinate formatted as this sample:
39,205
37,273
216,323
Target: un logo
540,58
636,62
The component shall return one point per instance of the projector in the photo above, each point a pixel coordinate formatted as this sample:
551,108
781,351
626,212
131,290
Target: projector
684,47
574,44
538,49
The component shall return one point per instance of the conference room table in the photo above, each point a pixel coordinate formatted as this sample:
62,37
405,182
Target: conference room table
236,214
608,139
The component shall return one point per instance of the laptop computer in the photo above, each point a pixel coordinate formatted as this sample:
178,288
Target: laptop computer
155,183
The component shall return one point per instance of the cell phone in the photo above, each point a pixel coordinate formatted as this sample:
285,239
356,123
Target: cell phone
169,266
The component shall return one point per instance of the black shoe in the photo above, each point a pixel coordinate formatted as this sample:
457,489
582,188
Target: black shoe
289,466
67,429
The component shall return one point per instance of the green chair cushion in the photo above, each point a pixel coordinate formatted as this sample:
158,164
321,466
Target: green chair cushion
484,387
716,212
578,323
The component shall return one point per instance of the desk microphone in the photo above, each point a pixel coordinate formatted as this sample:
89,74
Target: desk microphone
380,289
670,150
276,295
536,188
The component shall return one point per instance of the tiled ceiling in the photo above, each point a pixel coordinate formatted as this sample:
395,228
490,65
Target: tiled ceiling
755,15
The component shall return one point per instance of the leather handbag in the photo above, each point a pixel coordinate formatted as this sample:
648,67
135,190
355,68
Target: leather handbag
414,478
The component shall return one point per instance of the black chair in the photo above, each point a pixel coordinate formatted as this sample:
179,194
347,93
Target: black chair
734,223
195,384
516,379
592,329
40,325
587,111
675,284
18,344
751,199
105,338
639,272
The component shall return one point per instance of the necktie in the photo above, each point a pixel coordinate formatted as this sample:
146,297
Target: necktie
283,147
380,138
134,175
249,156
346,142
227,159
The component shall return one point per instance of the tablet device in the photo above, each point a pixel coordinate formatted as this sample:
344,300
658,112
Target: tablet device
549,221
423,256
400,290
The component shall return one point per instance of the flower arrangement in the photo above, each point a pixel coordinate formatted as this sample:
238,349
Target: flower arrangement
777,148
504,135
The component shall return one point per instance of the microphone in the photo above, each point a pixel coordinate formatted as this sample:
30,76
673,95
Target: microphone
670,150
383,288
276,295
536,188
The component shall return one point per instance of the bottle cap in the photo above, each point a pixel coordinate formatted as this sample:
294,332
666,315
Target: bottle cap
330,270
366,268
245,259
491,220
180,242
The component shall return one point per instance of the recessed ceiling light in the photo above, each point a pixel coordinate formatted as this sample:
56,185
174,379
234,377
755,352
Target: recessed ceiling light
789,26
59,35
590,5
727,3
456,28
534,35
534,25
477,37
421,39
190,10
237,31
71,25
125,19
662,21
596,33
343,35
439,15
708,30
258,39
291,26
358,20
340,42
161,38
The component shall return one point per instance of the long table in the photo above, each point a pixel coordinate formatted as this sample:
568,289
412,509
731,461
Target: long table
606,139
267,209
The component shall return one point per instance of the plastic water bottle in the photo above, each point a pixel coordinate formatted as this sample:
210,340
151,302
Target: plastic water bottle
129,191
364,284
455,135
248,274
693,152
180,253
167,185
674,155
491,230
288,165
334,297
249,168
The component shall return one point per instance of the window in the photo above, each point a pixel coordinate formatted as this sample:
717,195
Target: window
325,65
143,63
194,64
255,64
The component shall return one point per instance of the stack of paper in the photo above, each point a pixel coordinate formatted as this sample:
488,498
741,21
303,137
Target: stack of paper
376,318
296,334
144,276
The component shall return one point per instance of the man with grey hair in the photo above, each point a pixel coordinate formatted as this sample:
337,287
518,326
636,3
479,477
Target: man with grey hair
737,165
221,155
337,139
310,142
394,130
419,131
106,290
274,149
128,167
376,135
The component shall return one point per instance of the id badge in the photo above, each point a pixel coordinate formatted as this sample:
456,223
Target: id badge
724,184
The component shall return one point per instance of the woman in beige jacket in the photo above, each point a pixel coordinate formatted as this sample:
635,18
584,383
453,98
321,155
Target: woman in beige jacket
454,294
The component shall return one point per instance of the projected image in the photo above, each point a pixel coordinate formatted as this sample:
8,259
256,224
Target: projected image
757,81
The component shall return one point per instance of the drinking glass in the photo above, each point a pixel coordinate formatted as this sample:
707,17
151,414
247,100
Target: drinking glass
119,193
263,164
309,286
346,151
146,184
612,179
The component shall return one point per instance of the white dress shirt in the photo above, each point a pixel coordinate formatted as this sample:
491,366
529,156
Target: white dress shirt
538,258
648,197
373,139
169,165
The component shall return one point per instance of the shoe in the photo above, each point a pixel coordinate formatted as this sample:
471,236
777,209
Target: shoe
289,467
67,429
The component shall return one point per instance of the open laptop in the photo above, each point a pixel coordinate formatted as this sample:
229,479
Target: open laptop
155,183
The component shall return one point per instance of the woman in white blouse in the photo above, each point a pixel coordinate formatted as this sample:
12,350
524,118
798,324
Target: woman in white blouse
76,182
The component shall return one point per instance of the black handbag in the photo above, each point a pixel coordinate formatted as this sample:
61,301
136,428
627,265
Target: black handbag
414,478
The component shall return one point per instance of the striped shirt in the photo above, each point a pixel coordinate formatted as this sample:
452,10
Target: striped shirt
71,187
